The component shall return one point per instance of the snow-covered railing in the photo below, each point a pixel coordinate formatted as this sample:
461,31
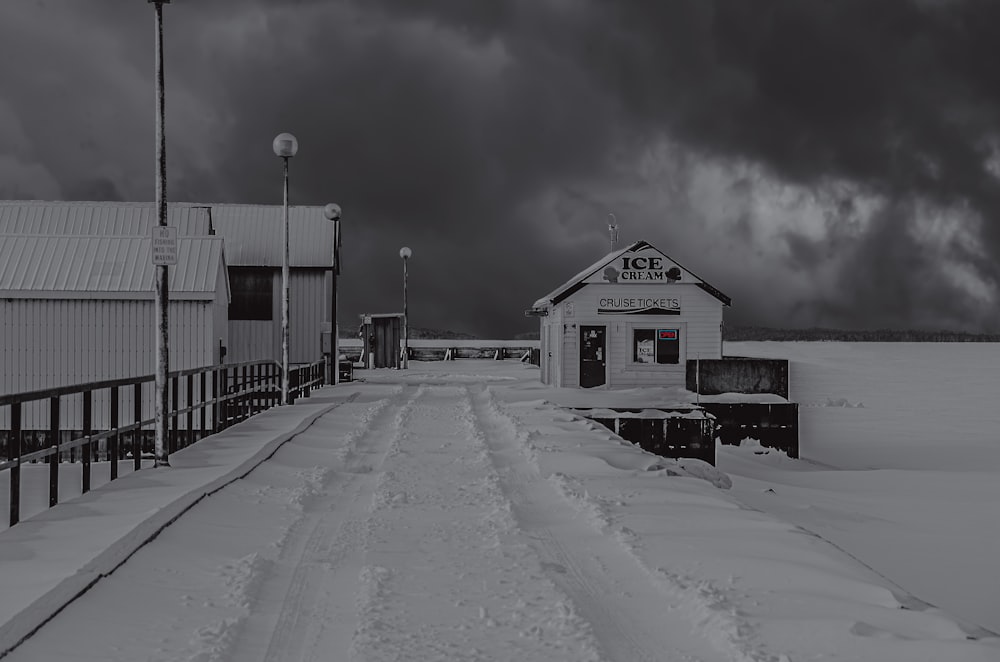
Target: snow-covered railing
202,401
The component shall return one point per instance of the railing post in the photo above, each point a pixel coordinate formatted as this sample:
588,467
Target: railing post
204,404
273,369
174,415
245,403
189,405
14,454
255,379
137,433
215,401
226,403
54,458
88,447
115,438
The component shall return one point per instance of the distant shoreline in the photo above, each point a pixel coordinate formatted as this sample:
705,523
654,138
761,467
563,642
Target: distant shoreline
760,333
755,333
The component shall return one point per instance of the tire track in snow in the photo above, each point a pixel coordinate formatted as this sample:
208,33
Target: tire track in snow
447,574
321,555
202,583
633,618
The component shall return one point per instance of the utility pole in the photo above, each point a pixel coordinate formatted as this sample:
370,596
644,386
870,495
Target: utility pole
161,405
613,231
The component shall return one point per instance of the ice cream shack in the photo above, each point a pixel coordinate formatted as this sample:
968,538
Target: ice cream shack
633,318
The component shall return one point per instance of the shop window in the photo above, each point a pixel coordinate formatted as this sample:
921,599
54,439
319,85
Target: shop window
656,346
252,294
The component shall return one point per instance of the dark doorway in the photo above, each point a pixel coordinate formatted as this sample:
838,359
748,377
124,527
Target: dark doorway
382,335
593,356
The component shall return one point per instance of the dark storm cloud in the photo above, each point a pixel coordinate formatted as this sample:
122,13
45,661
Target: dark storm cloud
493,137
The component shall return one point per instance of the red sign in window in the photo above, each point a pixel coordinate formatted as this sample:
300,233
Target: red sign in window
667,334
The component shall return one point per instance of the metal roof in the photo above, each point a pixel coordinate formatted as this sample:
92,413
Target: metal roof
253,235
252,232
33,264
98,218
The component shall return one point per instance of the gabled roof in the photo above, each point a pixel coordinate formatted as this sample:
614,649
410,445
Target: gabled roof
252,232
97,218
31,265
581,279
253,235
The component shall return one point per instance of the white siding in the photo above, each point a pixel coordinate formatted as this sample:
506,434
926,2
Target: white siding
699,322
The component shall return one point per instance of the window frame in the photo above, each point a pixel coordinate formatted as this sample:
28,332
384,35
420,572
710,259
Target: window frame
251,305
681,330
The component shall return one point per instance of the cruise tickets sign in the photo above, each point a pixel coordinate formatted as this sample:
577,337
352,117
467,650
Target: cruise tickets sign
637,305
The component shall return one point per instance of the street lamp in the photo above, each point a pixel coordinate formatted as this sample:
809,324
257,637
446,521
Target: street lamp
332,213
405,253
161,456
286,146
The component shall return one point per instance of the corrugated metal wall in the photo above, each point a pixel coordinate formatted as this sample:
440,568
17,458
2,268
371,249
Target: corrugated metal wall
252,340
308,310
56,342
307,305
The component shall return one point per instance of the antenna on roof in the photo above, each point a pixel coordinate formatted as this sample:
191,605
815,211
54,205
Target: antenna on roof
613,231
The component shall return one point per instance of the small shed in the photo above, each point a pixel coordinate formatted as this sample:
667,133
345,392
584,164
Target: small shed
633,318
381,338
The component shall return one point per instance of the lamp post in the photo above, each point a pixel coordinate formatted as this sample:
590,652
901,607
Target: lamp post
405,253
161,456
332,213
286,146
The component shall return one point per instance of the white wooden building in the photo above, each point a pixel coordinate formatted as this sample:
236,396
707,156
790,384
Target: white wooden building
633,318
253,255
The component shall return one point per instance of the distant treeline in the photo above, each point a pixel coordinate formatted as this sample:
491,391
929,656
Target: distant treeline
748,333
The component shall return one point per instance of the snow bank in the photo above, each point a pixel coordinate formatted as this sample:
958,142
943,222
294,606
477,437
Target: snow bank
65,550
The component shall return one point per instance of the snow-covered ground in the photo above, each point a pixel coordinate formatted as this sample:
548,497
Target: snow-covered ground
452,512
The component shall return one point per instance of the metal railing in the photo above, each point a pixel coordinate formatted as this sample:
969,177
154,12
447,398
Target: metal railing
203,401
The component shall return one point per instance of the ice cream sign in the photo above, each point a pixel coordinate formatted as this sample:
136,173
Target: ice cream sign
639,306
646,266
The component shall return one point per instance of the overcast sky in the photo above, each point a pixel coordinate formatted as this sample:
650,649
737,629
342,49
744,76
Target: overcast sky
831,163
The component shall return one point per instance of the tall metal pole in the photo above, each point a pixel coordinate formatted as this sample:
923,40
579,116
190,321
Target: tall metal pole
406,325
160,451
332,213
335,337
285,395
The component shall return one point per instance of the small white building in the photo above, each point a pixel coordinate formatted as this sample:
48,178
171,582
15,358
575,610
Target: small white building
633,318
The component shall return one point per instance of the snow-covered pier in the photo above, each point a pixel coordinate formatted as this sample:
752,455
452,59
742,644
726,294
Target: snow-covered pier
451,511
